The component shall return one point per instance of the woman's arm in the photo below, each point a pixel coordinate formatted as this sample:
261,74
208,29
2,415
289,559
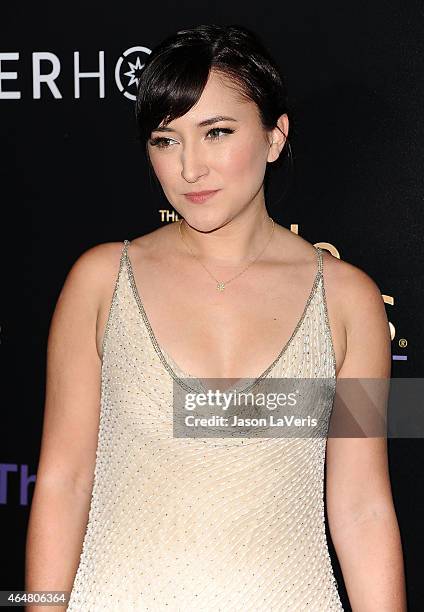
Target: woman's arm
361,514
60,505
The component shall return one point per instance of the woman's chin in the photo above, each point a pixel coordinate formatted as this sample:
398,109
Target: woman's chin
204,222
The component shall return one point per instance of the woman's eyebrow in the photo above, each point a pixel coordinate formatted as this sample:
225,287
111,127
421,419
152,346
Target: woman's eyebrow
209,121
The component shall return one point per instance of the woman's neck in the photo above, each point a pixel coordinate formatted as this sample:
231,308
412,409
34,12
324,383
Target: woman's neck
235,242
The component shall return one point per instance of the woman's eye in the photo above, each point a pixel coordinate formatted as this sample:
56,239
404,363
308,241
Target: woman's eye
224,130
163,143
160,142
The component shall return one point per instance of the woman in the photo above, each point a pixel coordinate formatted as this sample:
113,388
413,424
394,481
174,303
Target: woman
209,523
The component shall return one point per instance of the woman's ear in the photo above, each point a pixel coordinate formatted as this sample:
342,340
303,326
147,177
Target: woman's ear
278,138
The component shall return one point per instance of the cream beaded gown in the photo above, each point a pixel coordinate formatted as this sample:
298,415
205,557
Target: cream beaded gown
202,524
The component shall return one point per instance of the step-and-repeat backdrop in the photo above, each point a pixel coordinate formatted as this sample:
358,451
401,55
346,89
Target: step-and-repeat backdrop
73,175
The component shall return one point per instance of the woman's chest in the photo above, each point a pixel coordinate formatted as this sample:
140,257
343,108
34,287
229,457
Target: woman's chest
230,334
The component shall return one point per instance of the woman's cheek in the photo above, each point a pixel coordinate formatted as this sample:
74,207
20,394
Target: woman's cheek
246,161
163,169
237,159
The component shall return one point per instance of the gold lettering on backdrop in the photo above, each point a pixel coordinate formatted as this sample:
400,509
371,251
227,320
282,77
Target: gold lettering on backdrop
388,299
329,247
168,215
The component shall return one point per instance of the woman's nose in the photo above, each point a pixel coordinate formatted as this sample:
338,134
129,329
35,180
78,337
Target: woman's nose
193,163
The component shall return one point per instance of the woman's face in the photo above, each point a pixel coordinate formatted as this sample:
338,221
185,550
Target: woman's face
229,155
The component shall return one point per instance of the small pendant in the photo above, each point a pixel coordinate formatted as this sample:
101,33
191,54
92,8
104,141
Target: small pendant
220,286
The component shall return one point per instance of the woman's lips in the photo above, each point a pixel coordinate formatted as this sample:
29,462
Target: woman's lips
200,196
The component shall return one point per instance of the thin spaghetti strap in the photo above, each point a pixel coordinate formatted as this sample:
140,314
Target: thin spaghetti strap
125,249
319,254
114,296
326,315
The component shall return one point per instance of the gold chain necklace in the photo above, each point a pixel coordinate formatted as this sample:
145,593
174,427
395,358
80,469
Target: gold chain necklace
220,285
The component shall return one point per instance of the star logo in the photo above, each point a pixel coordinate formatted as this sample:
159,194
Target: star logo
128,68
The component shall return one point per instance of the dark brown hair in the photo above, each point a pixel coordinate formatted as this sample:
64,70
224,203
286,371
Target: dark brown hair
177,70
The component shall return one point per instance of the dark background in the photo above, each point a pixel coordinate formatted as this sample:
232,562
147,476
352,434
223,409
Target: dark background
72,176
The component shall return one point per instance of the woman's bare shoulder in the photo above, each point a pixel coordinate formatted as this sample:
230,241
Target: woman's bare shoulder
352,288
89,281
96,265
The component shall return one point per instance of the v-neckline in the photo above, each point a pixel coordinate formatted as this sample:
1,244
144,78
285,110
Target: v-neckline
162,352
